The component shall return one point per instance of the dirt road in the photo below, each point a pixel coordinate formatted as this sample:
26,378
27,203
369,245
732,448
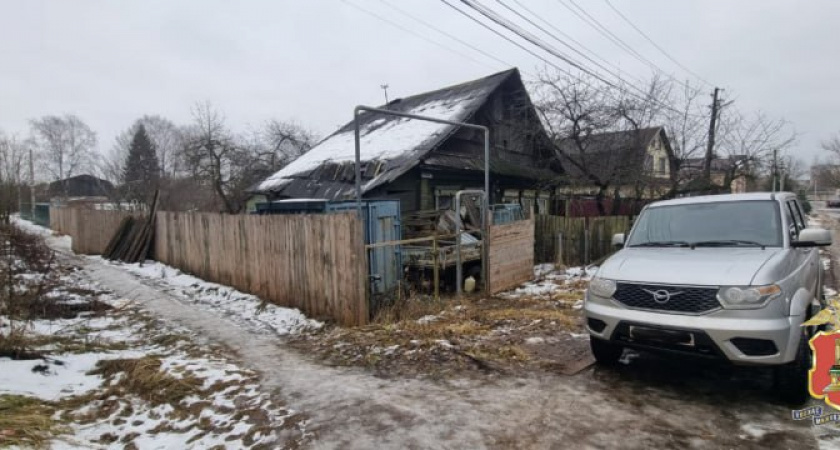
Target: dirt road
648,403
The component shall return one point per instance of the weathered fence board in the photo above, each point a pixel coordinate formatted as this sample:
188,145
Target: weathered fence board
511,255
312,262
91,230
585,239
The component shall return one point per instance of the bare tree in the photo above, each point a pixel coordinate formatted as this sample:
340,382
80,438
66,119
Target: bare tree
211,154
285,142
750,142
596,132
687,127
825,173
65,144
14,154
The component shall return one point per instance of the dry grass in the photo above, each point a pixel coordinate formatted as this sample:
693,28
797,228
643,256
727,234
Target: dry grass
144,378
27,422
454,335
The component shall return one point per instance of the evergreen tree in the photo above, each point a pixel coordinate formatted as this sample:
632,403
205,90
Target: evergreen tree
142,170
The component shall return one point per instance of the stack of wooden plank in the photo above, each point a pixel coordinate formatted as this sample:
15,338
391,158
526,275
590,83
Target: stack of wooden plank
420,223
133,239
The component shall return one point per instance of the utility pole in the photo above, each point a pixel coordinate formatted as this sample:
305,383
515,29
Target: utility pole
775,170
707,164
385,88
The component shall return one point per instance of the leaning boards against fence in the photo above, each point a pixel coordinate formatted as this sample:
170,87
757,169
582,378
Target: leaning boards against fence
91,230
312,262
584,239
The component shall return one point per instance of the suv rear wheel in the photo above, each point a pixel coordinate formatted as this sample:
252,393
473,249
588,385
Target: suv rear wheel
605,352
791,379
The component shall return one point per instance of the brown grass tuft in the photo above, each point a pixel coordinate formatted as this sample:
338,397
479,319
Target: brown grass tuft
144,378
27,422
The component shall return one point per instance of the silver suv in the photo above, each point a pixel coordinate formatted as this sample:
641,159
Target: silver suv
729,277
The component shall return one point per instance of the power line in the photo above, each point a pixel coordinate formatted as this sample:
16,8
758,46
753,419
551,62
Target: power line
496,32
498,20
564,43
394,24
494,17
661,50
583,15
564,34
455,38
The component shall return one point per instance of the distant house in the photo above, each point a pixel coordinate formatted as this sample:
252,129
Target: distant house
634,161
423,164
79,188
728,173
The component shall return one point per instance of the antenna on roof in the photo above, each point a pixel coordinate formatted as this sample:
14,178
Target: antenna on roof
385,88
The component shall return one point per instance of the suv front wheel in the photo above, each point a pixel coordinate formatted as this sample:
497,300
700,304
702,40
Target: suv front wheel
791,379
605,352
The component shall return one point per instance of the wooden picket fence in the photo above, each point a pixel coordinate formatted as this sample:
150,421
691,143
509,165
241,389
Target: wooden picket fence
316,263
312,262
91,230
584,239
511,254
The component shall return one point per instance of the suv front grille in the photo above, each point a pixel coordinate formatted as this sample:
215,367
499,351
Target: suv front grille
684,299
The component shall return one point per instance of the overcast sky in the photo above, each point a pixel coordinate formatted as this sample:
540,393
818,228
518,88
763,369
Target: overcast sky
312,61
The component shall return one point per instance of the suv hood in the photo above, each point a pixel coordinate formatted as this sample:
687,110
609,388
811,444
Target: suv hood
699,267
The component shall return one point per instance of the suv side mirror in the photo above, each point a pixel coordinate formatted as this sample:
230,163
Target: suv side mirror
812,237
618,240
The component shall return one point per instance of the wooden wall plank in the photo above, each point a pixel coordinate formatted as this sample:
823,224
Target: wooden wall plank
511,255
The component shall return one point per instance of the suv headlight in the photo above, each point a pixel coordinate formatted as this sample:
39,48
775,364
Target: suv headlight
747,297
602,287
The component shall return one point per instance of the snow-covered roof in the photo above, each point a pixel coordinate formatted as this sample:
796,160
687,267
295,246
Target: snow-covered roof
390,145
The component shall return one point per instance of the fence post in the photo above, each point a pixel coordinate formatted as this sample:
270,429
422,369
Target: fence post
558,257
586,242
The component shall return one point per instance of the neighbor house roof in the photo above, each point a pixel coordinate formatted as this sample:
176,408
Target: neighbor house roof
693,165
607,155
390,145
81,186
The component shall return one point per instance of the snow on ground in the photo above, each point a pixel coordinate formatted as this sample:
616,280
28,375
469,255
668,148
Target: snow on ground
62,242
549,280
56,377
237,305
115,375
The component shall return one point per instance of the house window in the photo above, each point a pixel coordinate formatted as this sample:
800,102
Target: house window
662,165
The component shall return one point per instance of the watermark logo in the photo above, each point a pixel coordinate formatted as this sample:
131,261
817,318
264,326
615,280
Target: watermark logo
824,375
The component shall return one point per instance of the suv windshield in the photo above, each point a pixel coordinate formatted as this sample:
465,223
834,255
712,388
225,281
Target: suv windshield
720,224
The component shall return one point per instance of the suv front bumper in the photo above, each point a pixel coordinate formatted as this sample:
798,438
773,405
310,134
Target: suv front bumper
747,341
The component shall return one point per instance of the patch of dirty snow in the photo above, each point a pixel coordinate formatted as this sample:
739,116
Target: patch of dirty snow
235,304
582,272
535,340
753,431
444,343
543,270
425,320
55,377
61,242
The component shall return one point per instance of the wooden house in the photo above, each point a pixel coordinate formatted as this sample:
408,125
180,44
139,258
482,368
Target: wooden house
422,163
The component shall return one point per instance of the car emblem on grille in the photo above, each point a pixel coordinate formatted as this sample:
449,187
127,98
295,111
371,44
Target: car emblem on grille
662,296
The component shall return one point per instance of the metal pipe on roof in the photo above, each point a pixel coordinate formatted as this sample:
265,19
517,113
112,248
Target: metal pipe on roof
486,203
